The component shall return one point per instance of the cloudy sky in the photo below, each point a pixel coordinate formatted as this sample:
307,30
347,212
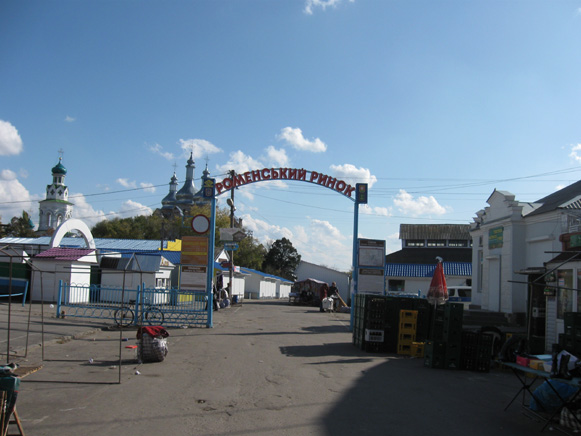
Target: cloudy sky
434,104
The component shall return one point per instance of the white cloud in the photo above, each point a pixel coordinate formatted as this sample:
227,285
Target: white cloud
69,119
199,147
321,4
332,248
158,149
10,141
126,183
147,187
575,152
277,158
14,197
266,233
85,212
295,138
393,243
351,174
132,208
378,211
240,162
422,205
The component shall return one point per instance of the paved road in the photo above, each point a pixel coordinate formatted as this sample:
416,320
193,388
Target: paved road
266,368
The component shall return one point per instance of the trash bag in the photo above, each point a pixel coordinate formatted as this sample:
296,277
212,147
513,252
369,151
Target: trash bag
546,400
151,349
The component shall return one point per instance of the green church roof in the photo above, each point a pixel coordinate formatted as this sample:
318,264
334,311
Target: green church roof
59,168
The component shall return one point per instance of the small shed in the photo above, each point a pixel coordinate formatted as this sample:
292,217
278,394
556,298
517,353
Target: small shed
71,265
284,288
151,270
260,285
238,280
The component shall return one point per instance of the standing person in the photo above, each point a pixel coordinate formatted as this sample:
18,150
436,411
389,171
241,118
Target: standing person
322,295
334,294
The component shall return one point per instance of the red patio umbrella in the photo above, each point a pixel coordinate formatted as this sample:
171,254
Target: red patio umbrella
438,292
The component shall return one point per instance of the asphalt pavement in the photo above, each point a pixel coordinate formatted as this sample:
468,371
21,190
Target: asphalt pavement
265,368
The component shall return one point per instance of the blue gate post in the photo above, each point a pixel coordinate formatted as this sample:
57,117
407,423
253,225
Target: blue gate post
360,198
139,297
355,263
209,192
59,298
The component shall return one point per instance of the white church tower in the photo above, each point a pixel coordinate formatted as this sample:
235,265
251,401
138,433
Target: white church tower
56,209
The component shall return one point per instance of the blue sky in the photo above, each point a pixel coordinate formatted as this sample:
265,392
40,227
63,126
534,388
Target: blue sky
434,104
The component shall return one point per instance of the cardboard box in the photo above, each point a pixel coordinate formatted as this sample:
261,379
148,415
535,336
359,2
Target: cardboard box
523,361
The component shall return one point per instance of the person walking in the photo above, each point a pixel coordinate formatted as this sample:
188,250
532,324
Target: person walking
322,295
334,294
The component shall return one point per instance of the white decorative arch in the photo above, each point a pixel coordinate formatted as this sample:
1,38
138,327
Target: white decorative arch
69,226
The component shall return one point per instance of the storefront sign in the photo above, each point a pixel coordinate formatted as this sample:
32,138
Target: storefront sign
193,277
285,174
194,250
495,237
371,252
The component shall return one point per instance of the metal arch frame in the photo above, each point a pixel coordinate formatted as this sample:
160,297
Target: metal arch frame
233,185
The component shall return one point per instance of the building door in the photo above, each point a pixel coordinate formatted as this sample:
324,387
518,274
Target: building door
494,285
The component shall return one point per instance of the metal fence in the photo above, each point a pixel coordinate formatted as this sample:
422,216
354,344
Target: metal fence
141,306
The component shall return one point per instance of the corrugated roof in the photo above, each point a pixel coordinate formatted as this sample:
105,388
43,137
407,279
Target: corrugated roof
260,273
139,262
428,255
60,253
566,198
434,231
100,243
417,270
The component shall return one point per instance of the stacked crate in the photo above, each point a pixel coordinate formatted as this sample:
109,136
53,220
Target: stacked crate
392,313
378,317
369,322
423,326
571,339
408,322
443,350
476,351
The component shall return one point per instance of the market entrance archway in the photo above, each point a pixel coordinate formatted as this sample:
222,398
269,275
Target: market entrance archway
357,193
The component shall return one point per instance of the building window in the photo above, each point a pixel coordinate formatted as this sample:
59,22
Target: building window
396,285
436,243
565,294
415,243
458,243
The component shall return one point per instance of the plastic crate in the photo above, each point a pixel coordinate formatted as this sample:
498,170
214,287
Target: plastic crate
406,338
408,327
417,349
404,349
374,335
408,316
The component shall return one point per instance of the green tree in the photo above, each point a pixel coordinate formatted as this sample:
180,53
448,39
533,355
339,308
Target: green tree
250,253
20,226
282,259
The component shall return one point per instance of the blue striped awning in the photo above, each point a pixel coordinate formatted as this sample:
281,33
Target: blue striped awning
418,270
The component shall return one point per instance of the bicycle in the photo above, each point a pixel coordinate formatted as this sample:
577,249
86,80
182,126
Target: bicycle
124,316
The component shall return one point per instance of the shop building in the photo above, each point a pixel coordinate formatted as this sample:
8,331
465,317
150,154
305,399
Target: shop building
516,245
410,270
